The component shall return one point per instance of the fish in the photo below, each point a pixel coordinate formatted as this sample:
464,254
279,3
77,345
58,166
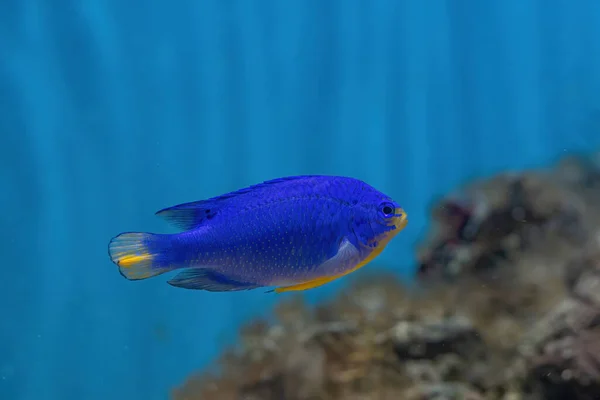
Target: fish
292,233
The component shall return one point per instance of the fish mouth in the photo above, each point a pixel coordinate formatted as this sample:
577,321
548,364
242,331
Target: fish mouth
401,218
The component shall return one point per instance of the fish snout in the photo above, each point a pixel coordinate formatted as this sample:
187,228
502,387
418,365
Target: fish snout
401,218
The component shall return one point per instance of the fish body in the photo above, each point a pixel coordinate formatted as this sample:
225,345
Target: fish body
294,233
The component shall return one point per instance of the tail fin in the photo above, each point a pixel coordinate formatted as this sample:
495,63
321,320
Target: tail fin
138,255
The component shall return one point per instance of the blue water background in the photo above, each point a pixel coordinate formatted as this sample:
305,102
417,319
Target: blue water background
112,109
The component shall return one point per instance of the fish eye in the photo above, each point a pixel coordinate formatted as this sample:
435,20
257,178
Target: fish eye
387,209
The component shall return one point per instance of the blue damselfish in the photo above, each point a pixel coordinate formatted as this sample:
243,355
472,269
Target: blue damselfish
292,233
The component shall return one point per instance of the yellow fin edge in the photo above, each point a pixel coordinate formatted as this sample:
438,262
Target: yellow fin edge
314,283
129,260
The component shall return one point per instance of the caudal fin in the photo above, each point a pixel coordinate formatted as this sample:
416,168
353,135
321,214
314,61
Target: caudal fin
139,255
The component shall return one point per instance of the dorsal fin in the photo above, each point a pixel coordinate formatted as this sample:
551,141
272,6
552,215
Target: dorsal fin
191,215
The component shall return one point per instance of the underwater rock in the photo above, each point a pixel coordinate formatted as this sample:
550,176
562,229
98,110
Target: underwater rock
507,307
569,367
499,219
427,340
563,351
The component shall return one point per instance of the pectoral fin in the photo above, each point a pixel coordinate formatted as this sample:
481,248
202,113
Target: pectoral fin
346,255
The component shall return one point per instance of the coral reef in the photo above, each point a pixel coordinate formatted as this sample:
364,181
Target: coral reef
507,306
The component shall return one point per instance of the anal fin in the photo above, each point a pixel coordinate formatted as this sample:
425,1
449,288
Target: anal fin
206,279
